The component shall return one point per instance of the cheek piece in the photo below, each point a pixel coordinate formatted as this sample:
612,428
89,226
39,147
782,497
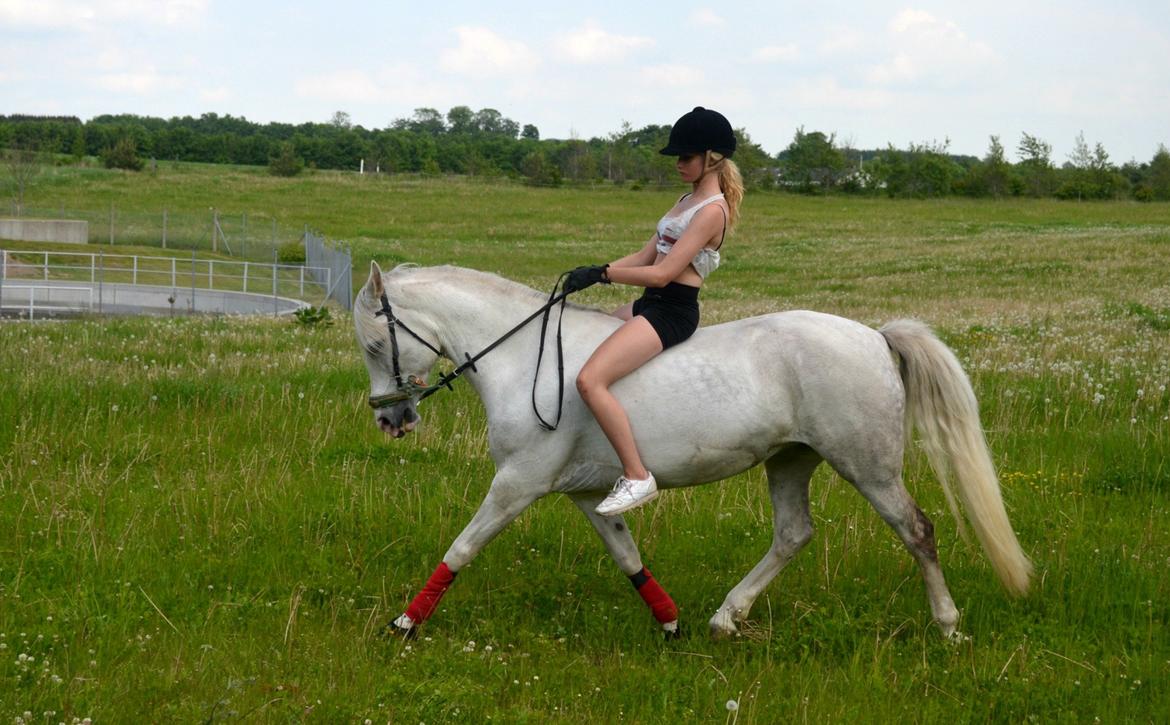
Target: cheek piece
660,603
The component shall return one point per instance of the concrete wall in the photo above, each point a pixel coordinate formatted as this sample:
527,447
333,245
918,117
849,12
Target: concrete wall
45,230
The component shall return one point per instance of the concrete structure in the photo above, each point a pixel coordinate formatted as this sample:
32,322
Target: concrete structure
74,297
45,230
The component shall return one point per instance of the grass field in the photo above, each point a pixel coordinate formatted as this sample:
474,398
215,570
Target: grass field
199,521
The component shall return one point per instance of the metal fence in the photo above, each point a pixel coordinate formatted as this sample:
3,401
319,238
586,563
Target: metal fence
228,282
334,265
243,236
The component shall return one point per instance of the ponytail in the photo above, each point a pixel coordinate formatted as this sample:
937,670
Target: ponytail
730,183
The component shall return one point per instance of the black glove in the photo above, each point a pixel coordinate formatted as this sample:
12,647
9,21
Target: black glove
583,277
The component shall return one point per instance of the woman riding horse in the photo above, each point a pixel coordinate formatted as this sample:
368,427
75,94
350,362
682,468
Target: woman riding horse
671,266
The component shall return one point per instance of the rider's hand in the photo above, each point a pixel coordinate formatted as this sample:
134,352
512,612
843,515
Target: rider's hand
583,277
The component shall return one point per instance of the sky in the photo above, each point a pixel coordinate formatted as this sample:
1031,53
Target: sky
872,73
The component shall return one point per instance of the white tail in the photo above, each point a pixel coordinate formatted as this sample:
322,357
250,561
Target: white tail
942,405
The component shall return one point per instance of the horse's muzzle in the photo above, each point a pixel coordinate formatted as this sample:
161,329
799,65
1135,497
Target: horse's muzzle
397,420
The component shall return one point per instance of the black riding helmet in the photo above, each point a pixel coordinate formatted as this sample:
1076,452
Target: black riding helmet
698,131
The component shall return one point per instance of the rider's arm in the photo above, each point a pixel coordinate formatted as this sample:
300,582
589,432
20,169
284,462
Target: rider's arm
641,258
707,224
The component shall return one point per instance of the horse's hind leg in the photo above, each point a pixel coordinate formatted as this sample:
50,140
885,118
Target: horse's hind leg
894,503
620,544
788,472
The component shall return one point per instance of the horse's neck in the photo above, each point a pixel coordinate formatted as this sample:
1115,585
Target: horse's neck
468,311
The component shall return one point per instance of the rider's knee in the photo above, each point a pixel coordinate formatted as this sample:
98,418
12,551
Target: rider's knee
588,383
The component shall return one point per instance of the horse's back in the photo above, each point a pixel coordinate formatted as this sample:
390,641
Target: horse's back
735,393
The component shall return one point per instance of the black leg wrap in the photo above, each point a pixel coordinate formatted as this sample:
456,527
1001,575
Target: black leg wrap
639,579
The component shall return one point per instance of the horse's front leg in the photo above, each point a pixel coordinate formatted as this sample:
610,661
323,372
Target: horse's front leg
615,534
506,498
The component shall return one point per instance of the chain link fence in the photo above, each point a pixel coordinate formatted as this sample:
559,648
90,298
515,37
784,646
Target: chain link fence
331,265
243,236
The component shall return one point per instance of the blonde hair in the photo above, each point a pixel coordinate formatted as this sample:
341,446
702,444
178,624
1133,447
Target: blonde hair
730,183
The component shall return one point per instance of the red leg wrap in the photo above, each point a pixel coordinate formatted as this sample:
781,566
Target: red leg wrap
425,603
660,603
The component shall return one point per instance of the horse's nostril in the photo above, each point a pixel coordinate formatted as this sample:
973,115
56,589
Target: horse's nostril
383,421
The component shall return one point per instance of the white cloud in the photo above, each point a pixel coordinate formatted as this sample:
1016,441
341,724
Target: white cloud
841,40
929,48
592,44
70,15
219,94
44,14
825,93
342,85
776,53
706,17
401,83
482,52
141,82
671,75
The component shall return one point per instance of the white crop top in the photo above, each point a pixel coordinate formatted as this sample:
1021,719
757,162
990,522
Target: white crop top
671,228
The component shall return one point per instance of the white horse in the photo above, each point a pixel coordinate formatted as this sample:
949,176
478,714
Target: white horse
788,390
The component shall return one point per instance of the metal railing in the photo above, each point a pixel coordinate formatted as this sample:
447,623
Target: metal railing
52,299
98,268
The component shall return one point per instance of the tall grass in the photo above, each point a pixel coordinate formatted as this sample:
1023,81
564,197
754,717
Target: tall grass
199,521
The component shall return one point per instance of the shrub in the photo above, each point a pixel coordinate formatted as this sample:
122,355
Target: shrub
286,163
291,253
314,316
124,155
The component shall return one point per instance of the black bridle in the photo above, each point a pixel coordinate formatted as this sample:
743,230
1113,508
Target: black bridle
414,386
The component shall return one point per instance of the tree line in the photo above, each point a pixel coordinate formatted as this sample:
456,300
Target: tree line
487,143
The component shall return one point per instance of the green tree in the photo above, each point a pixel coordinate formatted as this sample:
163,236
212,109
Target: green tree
1035,166
812,161
530,132
123,155
77,147
1158,177
461,120
997,172
286,162
23,163
424,120
923,170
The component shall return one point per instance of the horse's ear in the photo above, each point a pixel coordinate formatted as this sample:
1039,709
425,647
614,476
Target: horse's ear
374,285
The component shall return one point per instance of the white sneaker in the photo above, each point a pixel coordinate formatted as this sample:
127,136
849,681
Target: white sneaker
628,493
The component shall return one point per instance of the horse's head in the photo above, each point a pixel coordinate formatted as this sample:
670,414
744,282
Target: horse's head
397,356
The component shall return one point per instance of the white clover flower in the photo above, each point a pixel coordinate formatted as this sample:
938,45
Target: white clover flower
732,705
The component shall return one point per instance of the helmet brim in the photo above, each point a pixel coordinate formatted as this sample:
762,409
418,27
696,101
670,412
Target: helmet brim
672,150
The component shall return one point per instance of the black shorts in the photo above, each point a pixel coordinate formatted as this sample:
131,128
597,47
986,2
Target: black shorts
673,311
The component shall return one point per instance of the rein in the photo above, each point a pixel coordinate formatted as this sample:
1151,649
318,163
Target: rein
414,386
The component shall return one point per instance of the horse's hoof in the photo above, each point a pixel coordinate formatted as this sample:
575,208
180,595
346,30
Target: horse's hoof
393,631
723,626
671,631
957,637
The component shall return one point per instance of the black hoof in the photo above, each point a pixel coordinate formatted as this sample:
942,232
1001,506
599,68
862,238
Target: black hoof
393,631
672,634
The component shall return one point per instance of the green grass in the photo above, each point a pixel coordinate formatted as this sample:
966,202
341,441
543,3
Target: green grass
199,521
